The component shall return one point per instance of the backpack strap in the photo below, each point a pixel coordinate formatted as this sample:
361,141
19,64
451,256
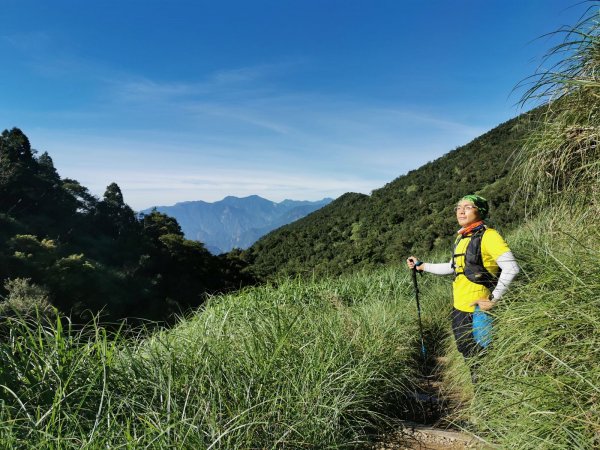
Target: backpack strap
454,254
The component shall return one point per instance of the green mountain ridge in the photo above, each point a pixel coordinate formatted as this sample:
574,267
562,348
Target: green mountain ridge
411,214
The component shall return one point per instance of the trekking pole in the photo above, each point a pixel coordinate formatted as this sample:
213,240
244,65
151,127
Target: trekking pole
427,412
414,278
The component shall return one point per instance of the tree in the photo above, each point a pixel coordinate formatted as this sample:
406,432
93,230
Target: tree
115,217
157,224
16,170
15,147
84,202
46,169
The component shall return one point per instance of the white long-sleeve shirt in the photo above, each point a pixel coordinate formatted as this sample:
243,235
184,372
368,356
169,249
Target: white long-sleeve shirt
506,262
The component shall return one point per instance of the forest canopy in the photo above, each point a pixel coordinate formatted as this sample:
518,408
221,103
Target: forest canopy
91,255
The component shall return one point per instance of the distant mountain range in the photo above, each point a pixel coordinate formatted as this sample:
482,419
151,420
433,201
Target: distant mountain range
236,222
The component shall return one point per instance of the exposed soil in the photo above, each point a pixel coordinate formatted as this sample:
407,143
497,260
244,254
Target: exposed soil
427,423
425,437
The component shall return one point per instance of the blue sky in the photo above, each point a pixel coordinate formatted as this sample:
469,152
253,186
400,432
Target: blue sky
196,100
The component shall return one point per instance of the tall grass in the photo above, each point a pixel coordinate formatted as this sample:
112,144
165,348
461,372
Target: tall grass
561,159
298,365
541,380
52,381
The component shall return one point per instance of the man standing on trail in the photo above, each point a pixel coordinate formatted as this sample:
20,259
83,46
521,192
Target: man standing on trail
483,267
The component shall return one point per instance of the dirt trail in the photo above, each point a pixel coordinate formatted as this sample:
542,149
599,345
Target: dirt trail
425,437
428,425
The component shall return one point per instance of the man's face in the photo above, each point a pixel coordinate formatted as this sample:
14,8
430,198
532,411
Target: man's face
466,213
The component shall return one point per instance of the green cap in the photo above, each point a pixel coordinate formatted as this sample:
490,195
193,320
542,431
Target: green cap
480,202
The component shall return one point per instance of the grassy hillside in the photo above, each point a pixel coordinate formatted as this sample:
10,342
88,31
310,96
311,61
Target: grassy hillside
411,214
298,365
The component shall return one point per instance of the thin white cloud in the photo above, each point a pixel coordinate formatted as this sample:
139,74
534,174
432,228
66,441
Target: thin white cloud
51,56
151,172
32,42
240,75
331,145
234,132
245,101
260,119
143,189
232,84
302,117
150,91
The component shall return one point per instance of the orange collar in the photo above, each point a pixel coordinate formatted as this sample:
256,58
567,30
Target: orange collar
470,228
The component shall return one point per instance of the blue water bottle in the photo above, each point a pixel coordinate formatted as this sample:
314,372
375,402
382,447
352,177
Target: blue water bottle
482,327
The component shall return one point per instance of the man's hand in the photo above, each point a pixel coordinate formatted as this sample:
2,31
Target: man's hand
411,261
484,304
